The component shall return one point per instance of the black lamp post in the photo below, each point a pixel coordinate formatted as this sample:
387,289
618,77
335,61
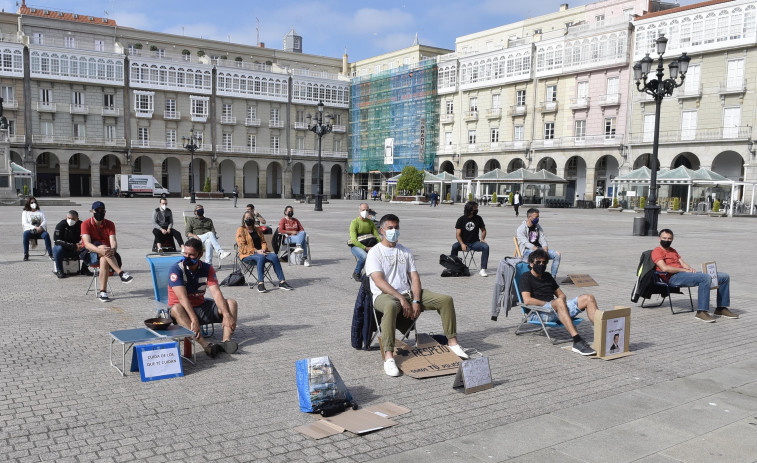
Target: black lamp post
192,143
658,89
320,129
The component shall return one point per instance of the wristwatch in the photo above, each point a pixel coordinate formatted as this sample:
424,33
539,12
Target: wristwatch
416,302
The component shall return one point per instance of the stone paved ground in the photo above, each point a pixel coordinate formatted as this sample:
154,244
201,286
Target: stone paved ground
61,401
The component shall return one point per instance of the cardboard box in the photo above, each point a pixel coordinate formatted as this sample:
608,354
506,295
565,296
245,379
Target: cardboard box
612,332
362,421
425,360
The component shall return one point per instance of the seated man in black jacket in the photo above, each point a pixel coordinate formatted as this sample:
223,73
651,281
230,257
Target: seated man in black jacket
162,223
67,240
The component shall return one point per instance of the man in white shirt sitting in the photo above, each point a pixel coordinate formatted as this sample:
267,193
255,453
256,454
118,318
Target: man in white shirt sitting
396,287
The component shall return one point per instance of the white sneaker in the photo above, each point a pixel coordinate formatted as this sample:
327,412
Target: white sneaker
298,250
483,273
458,350
224,254
390,368
307,263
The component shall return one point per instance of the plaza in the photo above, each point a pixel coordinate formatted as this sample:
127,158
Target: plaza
688,393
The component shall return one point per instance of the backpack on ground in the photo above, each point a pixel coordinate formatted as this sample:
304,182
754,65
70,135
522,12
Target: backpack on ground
453,266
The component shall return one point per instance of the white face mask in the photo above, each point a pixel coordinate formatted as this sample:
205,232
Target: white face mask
33,205
163,207
364,214
71,222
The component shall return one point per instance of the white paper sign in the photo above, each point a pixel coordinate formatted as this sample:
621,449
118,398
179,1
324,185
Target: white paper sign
161,362
615,338
389,151
711,269
474,374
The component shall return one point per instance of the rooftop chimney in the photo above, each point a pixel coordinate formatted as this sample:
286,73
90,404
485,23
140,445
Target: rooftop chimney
563,6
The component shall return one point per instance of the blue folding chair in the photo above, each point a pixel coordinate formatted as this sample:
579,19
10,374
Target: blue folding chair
160,266
534,315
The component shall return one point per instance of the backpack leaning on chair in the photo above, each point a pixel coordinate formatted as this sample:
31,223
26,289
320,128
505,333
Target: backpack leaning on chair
235,278
453,266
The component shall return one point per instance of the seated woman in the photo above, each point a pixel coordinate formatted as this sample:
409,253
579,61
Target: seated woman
253,248
35,226
162,226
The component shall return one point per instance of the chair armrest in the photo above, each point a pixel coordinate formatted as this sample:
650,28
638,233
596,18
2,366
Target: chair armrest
536,308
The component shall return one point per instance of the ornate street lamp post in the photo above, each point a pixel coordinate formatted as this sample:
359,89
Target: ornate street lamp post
192,143
320,129
658,89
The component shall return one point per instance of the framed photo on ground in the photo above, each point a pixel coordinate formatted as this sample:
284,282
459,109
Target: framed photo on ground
612,331
711,269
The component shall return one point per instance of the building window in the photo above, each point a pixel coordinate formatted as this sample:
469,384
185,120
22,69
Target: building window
252,112
45,95
275,115
735,73
38,38
688,125
251,142
600,19
275,144
143,136
582,91
609,128
110,132
170,107
299,116
473,105
448,138
518,133
160,53
226,140
338,146
613,88
47,129
69,42
300,143
494,135
76,98
450,107
199,107
551,93
99,45
109,101
79,131
495,101
8,94
520,98
549,131
579,130
471,137
170,138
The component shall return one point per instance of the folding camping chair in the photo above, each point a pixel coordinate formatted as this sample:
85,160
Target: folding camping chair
405,325
95,281
249,270
160,266
188,215
660,280
650,281
285,247
469,258
532,314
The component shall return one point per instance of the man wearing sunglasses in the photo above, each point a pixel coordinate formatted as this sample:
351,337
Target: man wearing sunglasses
537,287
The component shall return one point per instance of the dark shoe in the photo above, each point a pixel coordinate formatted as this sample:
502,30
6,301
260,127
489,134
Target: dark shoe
85,271
212,350
704,316
60,274
724,312
51,257
230,346
103,297
356,277
261,287
285,286
582,348
26,256
126,278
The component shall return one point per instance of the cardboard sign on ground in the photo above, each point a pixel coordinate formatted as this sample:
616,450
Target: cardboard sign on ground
427,359
580,279
363,421
612,332
475,375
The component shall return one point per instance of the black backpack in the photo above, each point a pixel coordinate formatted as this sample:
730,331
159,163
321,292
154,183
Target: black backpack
235,278
453,266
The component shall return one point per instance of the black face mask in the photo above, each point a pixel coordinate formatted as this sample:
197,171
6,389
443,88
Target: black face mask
200,212
99,216
249,222
290,214
666,244
475,211
540,268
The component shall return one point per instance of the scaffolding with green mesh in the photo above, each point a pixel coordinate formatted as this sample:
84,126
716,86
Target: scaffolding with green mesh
399,104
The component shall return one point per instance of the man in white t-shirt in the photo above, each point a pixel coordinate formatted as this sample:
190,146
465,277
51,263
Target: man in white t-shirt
396,287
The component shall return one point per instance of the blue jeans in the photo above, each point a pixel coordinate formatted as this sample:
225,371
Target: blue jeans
28,235
703,280
299,238
260,259
59,253
553,256
360,255
483,248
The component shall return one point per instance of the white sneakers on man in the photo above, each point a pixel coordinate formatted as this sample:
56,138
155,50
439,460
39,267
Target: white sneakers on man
458,350
307,263
390,368
224,254
483,273
298,250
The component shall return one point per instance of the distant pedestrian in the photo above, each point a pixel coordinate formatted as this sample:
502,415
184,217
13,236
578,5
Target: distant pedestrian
433,198
374,195
516,202
235,193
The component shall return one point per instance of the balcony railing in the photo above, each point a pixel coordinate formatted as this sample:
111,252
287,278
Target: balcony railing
447,149
64,140
163,145
732,86
17,138
709,134
580,103
111,111
46,107
494,113
78,109
252,122
447,118
276,123
172,115
340,128
10,104
548,106
612,99
228,120
143,113
517,110
688,92
580,141
199,118
471,115
324,153
300,125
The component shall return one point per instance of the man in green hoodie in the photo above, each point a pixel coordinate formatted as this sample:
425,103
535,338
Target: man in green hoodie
363,236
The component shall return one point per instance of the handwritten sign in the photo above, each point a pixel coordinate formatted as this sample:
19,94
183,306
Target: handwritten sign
159,361
474,375
580,279
711,269
425,360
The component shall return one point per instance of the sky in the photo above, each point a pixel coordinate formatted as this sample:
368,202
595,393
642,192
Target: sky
365,28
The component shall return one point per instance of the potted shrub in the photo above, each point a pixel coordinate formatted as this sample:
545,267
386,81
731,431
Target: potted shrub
206,188
138,46
200,53
470,196
676,207
494,201
716,211
185,52
153,48
615,205
238,58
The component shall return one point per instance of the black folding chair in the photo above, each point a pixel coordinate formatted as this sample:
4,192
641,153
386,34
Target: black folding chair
660,280
249,269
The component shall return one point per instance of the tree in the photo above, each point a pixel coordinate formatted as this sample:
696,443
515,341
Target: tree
206,188
410,180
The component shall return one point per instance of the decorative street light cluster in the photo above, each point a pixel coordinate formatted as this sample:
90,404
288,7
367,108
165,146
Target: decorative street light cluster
658,89
320,129
192,143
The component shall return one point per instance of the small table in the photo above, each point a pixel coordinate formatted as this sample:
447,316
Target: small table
128,338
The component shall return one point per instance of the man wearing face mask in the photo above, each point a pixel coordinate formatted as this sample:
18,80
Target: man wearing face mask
680,273
187,282
162,224
98,236
363,236
295,232
396,287
67,239
467,230
202,228
531,237
537,287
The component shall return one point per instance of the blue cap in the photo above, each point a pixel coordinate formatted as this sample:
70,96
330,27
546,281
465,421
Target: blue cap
97,204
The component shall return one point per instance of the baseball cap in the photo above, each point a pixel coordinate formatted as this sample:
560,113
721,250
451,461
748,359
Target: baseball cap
97,204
